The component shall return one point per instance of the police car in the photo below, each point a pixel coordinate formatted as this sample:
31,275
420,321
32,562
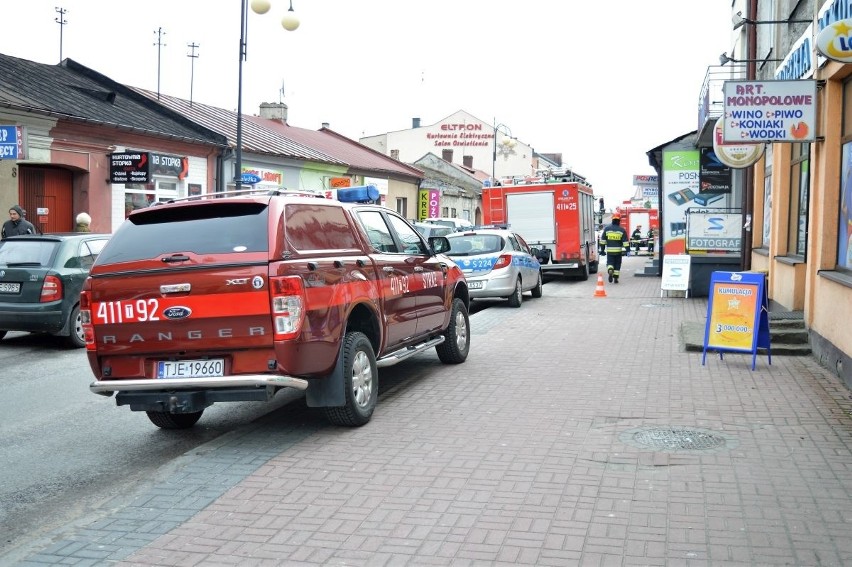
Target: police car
496,262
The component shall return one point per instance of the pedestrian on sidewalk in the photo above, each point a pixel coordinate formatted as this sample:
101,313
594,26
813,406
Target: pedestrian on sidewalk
614,237
17,224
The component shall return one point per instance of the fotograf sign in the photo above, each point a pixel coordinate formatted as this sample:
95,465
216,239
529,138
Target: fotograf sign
770,111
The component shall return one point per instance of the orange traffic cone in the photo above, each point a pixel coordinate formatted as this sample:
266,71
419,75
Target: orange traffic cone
599,290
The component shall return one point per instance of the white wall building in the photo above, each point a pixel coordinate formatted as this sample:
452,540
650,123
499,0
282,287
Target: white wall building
456,136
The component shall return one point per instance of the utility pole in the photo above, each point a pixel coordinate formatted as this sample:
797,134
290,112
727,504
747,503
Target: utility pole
160,33
61,21
192,55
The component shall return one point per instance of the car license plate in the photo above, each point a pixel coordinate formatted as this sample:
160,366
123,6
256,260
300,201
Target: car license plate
476,285
6,287
191,368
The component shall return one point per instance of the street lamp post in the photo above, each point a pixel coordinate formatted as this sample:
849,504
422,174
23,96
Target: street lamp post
289,22
506,150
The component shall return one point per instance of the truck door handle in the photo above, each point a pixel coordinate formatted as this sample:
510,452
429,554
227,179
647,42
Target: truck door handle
389,269
418,268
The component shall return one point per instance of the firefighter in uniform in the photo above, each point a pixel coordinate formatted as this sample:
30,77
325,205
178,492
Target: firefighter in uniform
614,238
636,239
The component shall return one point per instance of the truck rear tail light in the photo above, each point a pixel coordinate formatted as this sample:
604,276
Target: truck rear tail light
86,319
288,302
51,289
502,262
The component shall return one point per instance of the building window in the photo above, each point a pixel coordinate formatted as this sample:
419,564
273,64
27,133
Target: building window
445,212
454,213
844,228
799,192
402,206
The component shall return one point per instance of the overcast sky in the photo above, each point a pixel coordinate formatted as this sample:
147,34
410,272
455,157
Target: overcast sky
599,81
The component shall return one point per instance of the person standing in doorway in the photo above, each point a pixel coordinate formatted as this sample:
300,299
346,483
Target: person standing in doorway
614,238
16,224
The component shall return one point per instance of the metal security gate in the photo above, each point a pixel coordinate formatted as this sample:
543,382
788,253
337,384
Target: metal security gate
50,188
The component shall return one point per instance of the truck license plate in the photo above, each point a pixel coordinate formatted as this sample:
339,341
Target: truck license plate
210,368
7,287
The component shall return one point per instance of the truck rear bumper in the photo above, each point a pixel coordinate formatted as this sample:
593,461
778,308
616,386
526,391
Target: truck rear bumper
107,387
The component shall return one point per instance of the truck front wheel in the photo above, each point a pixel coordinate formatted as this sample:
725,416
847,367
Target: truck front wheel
360,382
456,345
166,420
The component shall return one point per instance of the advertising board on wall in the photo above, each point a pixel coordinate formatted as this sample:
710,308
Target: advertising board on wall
770,111
734,155
714,231
8,142
715,175
129,167
681,177
429,206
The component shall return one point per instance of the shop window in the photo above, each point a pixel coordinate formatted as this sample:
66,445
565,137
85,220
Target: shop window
844,228
141,195
797,227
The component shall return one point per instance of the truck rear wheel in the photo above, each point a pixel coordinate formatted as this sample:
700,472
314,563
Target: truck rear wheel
584,269
457,344
166,420
360,382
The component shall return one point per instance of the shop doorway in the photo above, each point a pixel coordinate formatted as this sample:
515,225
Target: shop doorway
47,188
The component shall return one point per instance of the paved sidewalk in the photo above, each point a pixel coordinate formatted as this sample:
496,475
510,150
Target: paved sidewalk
579,432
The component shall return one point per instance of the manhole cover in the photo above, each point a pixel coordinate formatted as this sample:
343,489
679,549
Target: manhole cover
676,439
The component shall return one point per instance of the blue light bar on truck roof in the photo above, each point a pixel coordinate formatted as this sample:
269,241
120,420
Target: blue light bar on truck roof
359,194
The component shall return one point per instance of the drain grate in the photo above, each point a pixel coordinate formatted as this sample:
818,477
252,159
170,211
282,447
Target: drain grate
676,439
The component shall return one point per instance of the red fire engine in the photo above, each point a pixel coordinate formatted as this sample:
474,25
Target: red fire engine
556,218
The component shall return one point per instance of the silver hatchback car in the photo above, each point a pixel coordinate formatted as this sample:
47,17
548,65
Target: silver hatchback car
496,263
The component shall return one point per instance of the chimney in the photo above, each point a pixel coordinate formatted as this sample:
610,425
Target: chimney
467,161
274,111
447,155
325,124
415,123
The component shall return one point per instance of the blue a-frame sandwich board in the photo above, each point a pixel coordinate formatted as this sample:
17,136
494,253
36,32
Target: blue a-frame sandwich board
737,315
